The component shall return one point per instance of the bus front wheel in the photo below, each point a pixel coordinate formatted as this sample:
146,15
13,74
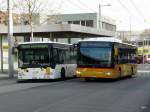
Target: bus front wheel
63,73
120,74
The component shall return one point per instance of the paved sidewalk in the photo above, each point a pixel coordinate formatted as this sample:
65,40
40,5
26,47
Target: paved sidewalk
4,75
143,71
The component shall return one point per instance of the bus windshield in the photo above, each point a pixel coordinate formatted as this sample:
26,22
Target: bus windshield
33,58
95,56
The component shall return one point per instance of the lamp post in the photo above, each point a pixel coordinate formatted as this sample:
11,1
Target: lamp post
100,15
143,50
10,40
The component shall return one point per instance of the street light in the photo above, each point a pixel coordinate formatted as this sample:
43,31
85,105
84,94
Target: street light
143,51
100,15
10,40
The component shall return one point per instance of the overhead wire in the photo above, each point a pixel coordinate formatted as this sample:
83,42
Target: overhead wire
74,4
128,11
138,10
86,6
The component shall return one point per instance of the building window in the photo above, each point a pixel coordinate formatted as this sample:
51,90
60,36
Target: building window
26,22
89,23
103,25
76,22
83,23
26,39
69,22
140,44
58,22
107,26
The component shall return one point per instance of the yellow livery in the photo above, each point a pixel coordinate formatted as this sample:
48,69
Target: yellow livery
105,58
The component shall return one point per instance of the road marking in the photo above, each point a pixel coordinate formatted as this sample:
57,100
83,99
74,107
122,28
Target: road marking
143,71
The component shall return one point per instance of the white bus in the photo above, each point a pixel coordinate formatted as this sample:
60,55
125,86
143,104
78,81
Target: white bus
46,60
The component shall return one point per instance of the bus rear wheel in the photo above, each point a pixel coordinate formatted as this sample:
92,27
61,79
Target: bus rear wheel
132,73
120,75
63,73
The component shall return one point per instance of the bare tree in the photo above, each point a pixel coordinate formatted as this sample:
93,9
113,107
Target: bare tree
28,9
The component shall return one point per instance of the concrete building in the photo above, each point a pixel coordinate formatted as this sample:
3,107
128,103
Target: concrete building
144,39
129,36
3,16
141,38
83,19
23,19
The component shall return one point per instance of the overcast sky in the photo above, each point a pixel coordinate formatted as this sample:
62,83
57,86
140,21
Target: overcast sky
125,12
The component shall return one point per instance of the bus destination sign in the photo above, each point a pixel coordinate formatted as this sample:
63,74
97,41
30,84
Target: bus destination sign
33,46
95,44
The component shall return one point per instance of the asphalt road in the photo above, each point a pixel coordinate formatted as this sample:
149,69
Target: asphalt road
76,95
144,67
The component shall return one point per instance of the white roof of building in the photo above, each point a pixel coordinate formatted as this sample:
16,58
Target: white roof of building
57,29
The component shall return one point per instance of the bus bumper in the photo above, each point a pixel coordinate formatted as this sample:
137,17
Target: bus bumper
96,73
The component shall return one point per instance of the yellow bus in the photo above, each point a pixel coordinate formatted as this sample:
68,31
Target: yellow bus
105,57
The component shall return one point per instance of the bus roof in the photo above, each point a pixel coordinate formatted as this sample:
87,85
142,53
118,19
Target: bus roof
43,42
103,39
106,39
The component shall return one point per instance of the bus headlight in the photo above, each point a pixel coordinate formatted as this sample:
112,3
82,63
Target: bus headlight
78,72
48,70
108,73
26,70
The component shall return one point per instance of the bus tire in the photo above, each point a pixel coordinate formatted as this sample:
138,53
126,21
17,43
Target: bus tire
63,73
132,71
119,76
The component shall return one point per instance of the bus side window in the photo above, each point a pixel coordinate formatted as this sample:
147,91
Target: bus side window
116,53
68,60
55,56
115,59
62,56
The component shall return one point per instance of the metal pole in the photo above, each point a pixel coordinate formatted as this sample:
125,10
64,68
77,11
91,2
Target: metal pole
31,26
130,27
1,46
100,15
51,37
10,40
100,21
143,51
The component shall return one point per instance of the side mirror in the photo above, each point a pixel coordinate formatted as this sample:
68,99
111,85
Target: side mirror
14,50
